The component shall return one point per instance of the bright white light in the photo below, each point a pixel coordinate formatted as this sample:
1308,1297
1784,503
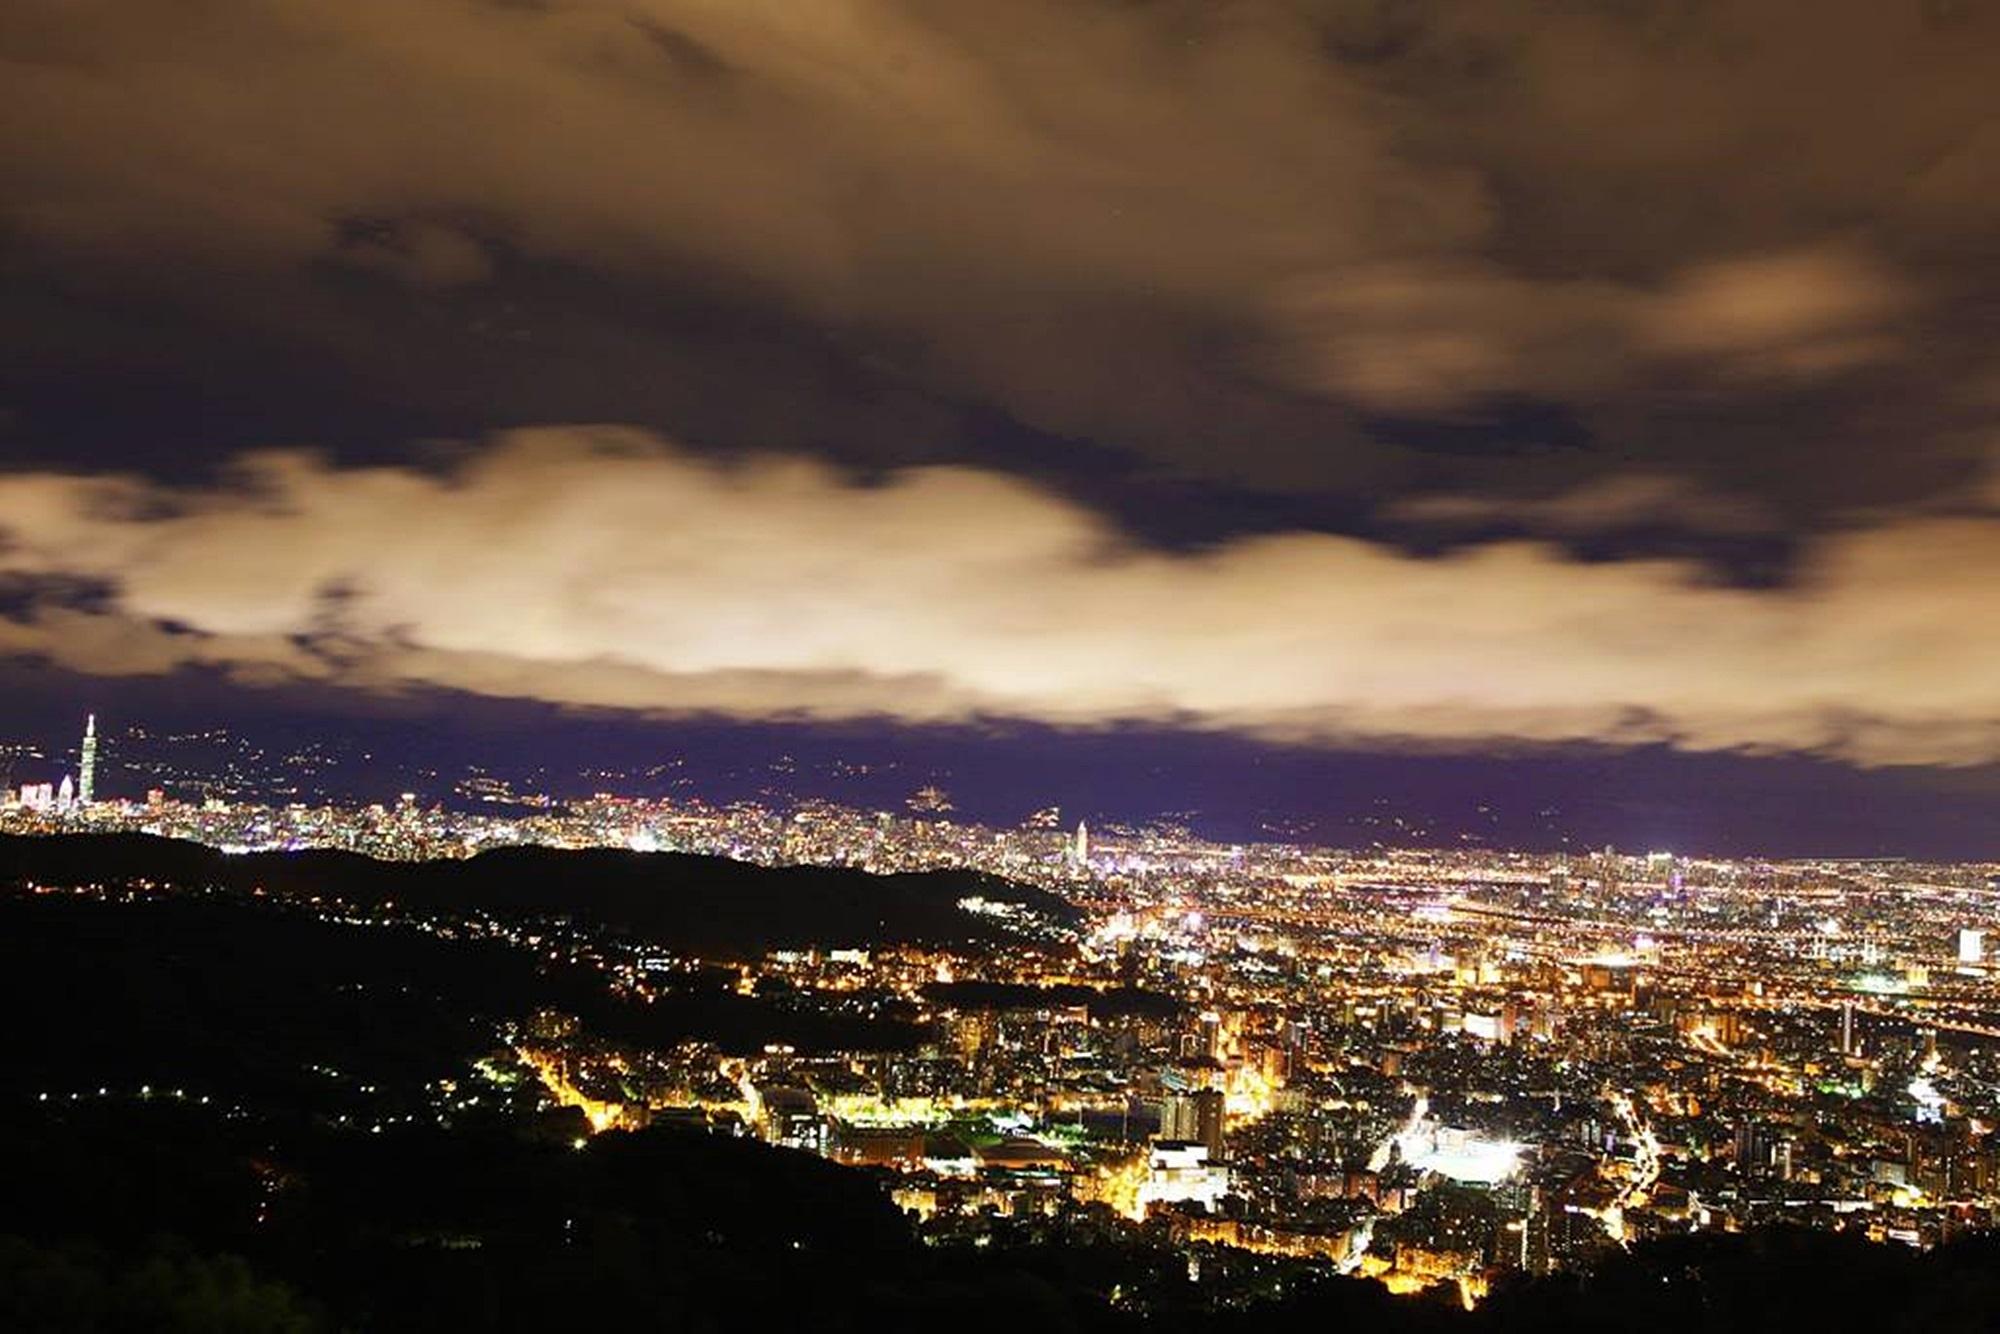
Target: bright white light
1460,1155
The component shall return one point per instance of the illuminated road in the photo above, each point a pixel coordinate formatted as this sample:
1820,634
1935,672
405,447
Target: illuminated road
1645,1165
1418,1111
1361,1238
601,1114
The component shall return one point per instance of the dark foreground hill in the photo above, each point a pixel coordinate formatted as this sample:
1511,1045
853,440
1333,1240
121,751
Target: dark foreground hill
255,999
147,1218
699,905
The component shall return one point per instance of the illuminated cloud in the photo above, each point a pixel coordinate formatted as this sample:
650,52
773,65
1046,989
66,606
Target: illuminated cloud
604,568
1616,503
1411,339
1788,314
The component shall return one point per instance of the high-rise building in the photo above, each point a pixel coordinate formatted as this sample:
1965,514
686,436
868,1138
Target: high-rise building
86,773
1210,1030
1847,1028
1080,851
1208,1108
1194,1117
1298,1040
1178,1122
1971,945
66,793
1753,1149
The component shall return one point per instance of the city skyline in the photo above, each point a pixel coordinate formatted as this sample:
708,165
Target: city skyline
1307,797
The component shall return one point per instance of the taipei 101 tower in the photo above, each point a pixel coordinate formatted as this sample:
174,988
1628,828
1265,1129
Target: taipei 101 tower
86,772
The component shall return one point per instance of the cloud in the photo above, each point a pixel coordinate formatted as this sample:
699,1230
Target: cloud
1414,339
1611,505
1801,313
1221,240
604,568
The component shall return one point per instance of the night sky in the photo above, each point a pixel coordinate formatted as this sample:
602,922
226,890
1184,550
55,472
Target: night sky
1274,412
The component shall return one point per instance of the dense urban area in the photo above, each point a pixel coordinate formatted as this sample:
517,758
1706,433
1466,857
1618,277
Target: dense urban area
1442,1070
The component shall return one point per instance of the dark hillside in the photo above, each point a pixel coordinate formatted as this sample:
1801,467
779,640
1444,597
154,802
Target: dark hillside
699,905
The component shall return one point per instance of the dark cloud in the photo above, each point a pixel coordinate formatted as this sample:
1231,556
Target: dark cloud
1224,241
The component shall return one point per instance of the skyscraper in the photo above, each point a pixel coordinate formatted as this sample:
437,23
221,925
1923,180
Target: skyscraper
1208,1115
1080,853
1211,1035
1194,1117
86,774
